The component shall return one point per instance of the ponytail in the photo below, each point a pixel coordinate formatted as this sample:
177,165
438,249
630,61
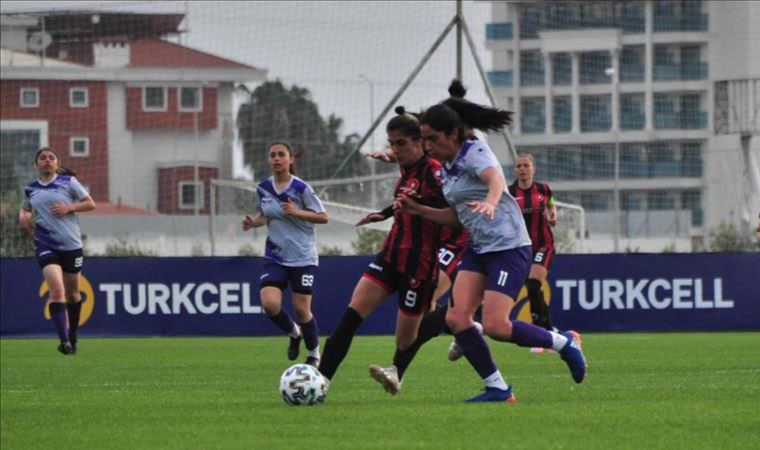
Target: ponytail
406,122
483,118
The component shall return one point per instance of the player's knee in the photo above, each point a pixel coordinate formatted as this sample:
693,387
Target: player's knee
496,326
56,293
270,309
534,286
456,321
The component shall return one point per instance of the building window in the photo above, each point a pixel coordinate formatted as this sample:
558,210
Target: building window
593,67
533,115
632,115
190,195
190,99
562,69
562,114
79,146
19,140
30,98
595,113
632,66
531,68
79,97
154,98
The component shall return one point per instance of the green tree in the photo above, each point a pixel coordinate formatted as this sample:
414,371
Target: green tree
330,250
367,241
564,241
248,250
122,247
727,238
13,243
276,113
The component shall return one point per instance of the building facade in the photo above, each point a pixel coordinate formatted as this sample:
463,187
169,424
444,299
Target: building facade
143,121
643,112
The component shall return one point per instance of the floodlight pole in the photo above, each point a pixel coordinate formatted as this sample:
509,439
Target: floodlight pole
395,98
487,85
460,21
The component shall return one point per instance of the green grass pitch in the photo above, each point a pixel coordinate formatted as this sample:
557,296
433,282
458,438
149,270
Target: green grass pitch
643,391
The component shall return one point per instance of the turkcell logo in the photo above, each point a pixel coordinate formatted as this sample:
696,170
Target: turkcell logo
657,293
178,298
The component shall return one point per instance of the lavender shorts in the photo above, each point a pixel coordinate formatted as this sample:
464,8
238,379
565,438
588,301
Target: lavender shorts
505,271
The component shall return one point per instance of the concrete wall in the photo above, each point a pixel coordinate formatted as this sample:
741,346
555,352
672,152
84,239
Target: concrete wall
734,40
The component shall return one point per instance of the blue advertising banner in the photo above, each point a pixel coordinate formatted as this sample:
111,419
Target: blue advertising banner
219,296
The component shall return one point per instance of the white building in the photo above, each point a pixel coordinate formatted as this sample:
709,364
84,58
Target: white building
670,87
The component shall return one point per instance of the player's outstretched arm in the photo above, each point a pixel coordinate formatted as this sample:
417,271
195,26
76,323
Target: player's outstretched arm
259,220
25,221
382,155
444,216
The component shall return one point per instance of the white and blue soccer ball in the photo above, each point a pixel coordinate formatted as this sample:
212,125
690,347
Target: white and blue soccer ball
302,384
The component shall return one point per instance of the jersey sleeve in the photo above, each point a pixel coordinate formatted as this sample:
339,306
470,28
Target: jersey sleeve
433,190
257,199
480,157
549,196
311,201
25,203
76,190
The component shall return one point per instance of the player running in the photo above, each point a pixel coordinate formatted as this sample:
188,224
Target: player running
56,196
497,261
407,263
289,208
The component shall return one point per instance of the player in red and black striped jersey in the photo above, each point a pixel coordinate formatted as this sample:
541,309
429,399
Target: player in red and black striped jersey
540,213
407,262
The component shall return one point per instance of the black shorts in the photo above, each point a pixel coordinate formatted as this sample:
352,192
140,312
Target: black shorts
543,256
301,279
449,258
414,296
71,261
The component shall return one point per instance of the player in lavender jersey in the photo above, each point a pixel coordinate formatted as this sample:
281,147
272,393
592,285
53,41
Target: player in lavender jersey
497,260
289,208
55,197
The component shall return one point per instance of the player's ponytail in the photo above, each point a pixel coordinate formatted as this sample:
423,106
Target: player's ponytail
456,89
406,122
483,118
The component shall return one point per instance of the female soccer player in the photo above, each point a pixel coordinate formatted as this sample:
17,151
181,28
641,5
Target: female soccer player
55,197
289,208
536,201
407,262
497,260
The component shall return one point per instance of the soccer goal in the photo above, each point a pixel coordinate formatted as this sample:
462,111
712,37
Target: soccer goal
347,200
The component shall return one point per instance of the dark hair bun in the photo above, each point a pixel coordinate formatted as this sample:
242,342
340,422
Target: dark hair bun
456,89
400,110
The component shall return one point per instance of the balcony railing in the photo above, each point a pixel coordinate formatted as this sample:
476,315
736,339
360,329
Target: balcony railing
690,71
631,73
562,123
632,121
685,120
498,31
533,123
595,122
500,78
692,22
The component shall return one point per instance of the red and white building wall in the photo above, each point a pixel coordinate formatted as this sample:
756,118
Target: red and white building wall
158,119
